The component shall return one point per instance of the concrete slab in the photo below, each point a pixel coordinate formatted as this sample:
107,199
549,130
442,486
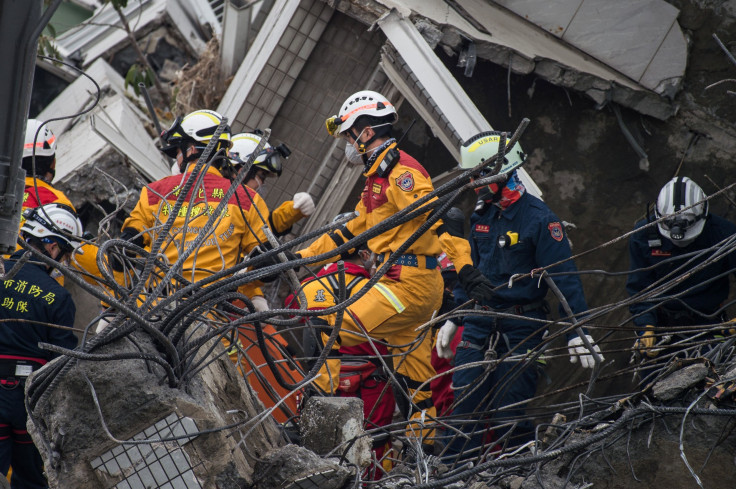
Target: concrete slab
624,34
667,69
554,17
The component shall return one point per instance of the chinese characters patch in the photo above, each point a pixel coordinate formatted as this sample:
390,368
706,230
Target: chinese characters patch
482,228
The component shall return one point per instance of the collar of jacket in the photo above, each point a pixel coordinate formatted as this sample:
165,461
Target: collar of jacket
30,181
350,269
378,161
511,211
210,170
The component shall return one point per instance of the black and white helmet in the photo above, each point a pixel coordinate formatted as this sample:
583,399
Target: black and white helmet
55,220
681,227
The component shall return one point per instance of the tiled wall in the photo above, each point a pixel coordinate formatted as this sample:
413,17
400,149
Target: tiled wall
341,62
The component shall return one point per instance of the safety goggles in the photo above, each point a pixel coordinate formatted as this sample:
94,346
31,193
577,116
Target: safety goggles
485,172
333,124
678,225
269,159
173,137
683,222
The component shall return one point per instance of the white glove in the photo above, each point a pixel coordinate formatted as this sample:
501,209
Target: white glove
303,202
260,303
577,349
444,338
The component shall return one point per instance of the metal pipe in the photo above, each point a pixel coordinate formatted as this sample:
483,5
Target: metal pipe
149,104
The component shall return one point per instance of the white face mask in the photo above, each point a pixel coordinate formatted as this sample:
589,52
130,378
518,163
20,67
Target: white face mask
260,185
352,155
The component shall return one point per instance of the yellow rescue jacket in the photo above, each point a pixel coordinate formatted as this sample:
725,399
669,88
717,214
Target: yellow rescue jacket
236,231
383,197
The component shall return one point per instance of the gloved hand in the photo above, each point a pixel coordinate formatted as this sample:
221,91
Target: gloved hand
260,303
303,203
730,328
444,339
127,234
273,260
478,287
645,343
577,349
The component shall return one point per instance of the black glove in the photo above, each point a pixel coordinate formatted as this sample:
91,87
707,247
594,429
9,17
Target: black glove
273,260
127,234
478,287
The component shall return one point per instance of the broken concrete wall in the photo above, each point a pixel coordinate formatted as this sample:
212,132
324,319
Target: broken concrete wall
215,408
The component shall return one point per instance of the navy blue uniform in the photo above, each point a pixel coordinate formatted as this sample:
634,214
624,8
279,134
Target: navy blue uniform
31,295
709,285
541,242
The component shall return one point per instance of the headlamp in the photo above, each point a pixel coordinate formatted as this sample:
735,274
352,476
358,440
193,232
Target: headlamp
333,125
678,226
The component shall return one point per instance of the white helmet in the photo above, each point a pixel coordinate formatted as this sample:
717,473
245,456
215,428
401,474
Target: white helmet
366,102
269,158
45,143
54,220
681,227
484,146
196,127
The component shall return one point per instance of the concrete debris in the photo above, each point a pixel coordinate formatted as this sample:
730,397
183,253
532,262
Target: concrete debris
133,402
293,467
430,32
677,382
329,425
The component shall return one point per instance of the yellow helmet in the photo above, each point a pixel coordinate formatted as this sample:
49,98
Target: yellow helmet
484,146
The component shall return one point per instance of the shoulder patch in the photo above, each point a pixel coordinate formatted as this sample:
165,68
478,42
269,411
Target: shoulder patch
405,181
555,230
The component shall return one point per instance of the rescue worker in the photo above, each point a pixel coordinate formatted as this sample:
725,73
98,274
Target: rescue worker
669,252
40,173
236,232
269,162
30,302
511,232
352,371
411,291
39,163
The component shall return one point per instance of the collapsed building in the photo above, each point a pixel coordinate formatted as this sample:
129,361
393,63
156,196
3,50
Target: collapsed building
291,67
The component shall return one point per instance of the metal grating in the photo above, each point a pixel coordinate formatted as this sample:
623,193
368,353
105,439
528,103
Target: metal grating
159,464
